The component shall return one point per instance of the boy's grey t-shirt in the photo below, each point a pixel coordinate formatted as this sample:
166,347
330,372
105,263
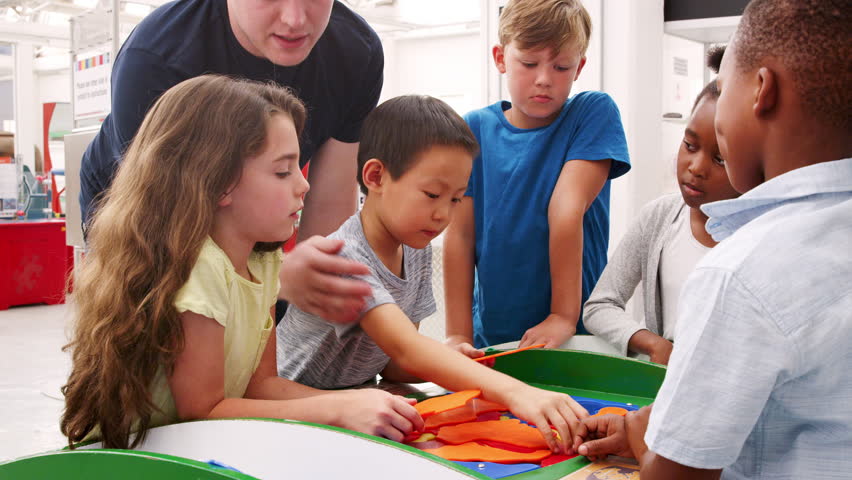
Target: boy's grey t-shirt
326,355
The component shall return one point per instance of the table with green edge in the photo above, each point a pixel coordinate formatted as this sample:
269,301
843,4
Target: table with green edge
272,449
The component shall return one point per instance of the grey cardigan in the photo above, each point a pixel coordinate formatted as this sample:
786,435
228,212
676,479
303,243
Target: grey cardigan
636,259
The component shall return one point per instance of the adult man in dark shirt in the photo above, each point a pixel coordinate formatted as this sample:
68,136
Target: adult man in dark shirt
327,54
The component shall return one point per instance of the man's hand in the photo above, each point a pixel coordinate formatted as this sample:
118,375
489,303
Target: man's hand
311,280
552,332
604,435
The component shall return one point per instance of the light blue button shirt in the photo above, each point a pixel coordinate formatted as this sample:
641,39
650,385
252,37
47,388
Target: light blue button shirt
760,379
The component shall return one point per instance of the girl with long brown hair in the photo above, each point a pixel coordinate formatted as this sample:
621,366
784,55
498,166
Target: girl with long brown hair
173,301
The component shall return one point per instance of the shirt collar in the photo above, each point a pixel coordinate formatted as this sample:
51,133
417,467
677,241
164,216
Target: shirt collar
727,216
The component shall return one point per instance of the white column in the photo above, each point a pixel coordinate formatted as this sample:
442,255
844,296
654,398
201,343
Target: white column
632,75
28,132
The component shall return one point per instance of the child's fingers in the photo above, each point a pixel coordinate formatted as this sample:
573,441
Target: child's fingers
562,426
405,408
578,409
543,426
470,351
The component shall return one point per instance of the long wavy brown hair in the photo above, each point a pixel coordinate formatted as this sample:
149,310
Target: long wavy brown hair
144,240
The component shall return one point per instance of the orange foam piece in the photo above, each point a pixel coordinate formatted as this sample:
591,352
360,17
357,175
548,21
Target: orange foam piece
451,417
475,452
612,410
466,413
434,405
510,431
481,405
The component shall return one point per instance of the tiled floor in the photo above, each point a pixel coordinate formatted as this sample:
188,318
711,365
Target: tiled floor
32,369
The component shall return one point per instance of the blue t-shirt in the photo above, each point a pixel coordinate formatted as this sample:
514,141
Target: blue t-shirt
511,184
340,81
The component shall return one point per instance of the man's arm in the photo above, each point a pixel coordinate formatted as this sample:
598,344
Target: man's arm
579,183
334,190
311,275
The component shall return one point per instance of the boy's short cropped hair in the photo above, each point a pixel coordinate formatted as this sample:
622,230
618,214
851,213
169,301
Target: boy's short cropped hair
403,127
551,24
813,39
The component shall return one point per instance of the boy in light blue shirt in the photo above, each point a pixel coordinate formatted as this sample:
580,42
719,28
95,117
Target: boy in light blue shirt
759,384
530,238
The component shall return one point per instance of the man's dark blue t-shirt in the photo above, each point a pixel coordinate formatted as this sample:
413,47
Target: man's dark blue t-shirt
339,82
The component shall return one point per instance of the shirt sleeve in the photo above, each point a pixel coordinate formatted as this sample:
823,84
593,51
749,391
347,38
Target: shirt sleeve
138,80
605,312
379,296
366,97
206,291
728,357
600,135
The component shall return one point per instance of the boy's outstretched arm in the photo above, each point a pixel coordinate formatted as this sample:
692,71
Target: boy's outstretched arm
579,183
459,253
433,361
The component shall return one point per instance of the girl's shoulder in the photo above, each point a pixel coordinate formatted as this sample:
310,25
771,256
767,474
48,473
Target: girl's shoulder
662,208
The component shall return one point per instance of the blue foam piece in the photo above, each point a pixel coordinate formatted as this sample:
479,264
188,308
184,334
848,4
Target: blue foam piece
593,405
499,470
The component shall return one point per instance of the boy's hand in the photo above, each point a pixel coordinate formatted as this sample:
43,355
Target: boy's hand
604,435
637,424
550,410
552,332
379,413
661,351
311,280
464,347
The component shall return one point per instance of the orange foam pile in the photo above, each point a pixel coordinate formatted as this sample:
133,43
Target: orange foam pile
510,431
443,403
612,410
475,452
466,413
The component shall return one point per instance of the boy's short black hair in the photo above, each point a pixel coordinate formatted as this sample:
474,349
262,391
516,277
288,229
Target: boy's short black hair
813,39
711,90
714,56
403,127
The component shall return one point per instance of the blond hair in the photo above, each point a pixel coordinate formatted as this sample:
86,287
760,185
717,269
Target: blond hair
144,240
551,24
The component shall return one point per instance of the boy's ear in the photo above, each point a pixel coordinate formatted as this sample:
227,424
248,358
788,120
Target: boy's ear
767,92
580,67
499,59
373,174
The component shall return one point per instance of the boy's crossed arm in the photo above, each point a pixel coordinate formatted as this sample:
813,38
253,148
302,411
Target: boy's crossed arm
423,357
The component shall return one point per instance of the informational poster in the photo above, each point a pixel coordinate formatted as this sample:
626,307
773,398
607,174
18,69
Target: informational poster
92,86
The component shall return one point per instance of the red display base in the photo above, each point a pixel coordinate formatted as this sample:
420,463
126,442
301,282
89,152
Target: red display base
35,262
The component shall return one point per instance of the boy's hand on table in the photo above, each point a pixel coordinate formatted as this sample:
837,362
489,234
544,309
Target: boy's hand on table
548,411
379,413
552,332
604,435
464,347
311,279
637,424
